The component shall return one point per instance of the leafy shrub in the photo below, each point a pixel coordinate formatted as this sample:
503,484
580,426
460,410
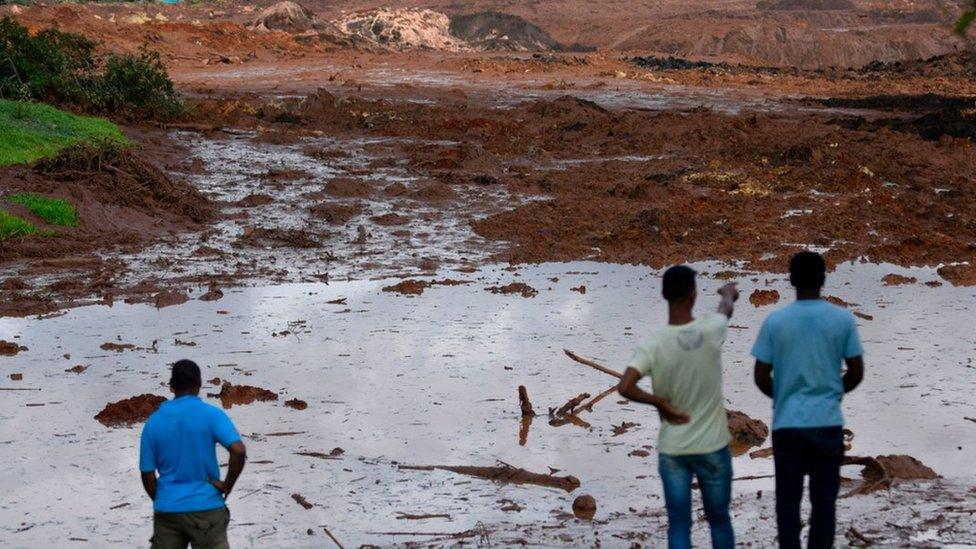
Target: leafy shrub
52,210
62,68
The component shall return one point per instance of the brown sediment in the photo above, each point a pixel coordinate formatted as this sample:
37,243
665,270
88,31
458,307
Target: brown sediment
760,298
169,298
77,369
231,394
254,200
295,238
881,472
746,432
335,213
10,348
520,288
505,474
334,454
893,279
581,289
117,347
408,287
212,294
128,411
959,275
390,219
584,507
296,403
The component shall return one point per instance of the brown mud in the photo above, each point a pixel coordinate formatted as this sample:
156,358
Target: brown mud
129,411
10,348
240,395
881,472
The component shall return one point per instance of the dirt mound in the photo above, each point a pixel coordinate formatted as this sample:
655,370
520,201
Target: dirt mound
9,348
283,16
492,30
131,410
231,394
959,275
764,297
882,471
520,288
120,176
402,29
746,432
335,214
805,5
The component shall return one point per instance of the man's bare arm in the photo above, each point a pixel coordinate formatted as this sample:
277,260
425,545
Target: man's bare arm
854,374
730,294
628,389
149,484
763,374
238,455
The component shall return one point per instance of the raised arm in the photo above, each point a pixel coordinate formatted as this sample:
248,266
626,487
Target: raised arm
854,374
628,389
730,294
763,373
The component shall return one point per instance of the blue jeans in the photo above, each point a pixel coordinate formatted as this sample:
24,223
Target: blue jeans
714,472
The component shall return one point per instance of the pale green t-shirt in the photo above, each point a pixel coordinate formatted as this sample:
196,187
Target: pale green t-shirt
685,366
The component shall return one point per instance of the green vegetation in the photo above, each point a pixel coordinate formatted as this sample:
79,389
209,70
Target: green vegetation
967,19
11,225
62,68
32,131
52,210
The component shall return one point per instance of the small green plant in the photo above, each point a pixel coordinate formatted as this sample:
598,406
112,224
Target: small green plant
137,85
11,226
967,19
52,210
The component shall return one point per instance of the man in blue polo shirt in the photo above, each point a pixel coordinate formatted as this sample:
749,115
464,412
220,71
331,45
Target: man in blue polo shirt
799,355
179,441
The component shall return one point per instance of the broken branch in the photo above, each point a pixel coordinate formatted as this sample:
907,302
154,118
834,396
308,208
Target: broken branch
592,364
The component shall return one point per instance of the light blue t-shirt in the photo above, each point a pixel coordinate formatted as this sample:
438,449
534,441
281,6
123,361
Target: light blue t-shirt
179,441
807,342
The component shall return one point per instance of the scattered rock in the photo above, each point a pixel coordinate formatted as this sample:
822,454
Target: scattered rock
167,298
9,348
898,280
296,403
117,347
514,288
283,16
760,298
16,377
213,294
129,411
584,507
402,28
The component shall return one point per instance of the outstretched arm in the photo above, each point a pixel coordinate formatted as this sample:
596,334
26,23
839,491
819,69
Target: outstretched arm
238,455
854,374
763,374
628,389
730,294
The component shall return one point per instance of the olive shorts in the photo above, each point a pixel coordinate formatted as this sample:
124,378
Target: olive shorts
200,530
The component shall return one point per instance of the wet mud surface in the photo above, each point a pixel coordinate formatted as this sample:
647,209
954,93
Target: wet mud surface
458,354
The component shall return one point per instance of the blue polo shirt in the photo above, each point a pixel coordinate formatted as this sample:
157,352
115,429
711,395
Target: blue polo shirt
179,441
807,342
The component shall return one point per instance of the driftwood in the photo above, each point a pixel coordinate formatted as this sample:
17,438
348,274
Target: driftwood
333,538
524,402
570,407
880,472
592,364
504,473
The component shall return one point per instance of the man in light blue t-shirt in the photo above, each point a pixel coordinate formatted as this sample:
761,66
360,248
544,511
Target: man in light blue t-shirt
179,441
799,355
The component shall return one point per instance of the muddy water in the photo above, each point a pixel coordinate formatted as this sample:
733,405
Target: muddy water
432,380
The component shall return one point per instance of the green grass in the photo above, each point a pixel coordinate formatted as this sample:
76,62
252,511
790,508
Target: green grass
52,210
11,225
31,131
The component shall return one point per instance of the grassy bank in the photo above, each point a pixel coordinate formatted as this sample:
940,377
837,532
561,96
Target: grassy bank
32,131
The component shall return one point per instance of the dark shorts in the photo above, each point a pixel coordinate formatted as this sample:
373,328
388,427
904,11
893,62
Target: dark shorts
200,530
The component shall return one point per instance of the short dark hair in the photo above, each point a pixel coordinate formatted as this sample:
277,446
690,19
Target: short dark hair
808,270
186,375
678,282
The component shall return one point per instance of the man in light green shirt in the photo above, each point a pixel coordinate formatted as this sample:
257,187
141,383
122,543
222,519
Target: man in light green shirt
684,361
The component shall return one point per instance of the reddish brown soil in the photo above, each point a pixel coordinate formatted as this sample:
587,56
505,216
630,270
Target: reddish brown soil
746,432
131,410
417,287
898,280
760,298
520,288
10,348
296,403
231,394
881,472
